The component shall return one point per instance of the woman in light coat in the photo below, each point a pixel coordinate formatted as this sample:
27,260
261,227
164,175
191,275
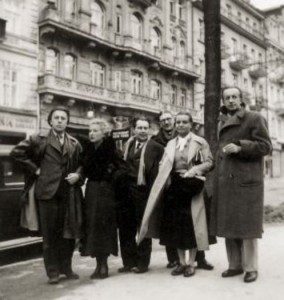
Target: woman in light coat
186,161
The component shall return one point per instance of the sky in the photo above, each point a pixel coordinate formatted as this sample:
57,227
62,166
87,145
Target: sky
263,4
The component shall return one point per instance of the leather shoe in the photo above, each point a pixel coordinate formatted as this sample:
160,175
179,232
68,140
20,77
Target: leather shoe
172,264
179,270
232,272
96,273
124,269
104,271
250,276
189,271
205,265
140,270
53,280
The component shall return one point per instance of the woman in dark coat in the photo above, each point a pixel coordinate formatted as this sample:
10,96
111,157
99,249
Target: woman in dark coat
100,163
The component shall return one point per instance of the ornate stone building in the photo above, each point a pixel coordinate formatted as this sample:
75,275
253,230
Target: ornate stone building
115,58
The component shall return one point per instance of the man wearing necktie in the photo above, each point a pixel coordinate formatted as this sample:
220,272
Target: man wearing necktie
54,159
142,156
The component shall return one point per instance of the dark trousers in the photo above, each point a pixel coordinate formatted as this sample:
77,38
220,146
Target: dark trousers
172,254
57,251
130,215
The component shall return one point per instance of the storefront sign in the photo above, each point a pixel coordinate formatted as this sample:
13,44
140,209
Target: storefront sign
121,134
15,122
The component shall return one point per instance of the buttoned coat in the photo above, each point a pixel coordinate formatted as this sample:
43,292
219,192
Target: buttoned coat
237,204
150,226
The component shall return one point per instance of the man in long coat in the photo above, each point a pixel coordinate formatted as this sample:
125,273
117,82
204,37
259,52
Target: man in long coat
54,158
165,134
142,156
237,204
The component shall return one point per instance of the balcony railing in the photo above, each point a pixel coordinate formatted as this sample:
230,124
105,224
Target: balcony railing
257,72
239,61
50,83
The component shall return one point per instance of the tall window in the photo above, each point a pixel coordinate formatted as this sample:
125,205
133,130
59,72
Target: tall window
155,89
97,18
235,46
136,82
245,49
51,61
8,86
180,9
245,84
118,23
173,95
182,51
201,30
70,9
69,66
117,80
239,17
183,98
136,25
260,57
229,9
13,13
174,49
172,8
97,74
253,55
235,79
247,23
155,39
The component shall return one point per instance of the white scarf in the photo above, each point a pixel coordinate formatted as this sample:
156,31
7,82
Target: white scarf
181,141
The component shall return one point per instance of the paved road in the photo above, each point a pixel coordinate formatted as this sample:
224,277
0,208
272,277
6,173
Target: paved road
27,280
274,191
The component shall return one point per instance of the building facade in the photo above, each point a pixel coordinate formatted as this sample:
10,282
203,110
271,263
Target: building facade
115,58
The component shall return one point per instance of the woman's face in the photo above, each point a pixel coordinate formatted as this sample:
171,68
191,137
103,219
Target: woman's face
95,133
183,125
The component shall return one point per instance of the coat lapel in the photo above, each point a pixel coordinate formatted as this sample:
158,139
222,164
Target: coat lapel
53,141
231,121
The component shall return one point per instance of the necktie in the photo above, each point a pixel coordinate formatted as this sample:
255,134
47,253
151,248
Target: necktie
61,139
138,146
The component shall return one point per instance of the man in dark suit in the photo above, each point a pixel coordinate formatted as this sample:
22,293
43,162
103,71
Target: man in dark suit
142,156
166,133
55,160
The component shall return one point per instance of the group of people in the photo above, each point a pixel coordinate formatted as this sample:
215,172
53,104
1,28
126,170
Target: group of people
157,188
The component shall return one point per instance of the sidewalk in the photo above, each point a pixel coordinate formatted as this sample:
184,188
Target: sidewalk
274,191
27,280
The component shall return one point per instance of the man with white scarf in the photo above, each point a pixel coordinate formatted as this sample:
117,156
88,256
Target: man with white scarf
142,156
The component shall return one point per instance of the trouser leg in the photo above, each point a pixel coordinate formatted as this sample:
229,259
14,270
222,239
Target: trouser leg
48,211
200,256
250,255
172,254
234,253
144,250
192,256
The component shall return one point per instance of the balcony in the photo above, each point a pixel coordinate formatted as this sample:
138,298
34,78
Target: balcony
239,61
52,84
257,72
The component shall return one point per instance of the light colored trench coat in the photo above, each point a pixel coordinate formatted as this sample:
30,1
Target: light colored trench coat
150,224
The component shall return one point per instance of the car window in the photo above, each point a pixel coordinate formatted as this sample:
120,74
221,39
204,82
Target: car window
10,173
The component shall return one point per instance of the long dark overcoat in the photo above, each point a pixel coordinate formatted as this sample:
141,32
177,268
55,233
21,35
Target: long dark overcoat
237,204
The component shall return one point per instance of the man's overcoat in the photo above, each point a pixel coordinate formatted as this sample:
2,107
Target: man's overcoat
237,204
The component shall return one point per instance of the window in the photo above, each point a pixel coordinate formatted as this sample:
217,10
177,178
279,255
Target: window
117,80
174,49
173,95
260,90
118,23
155,39
229,10
136,82
245,49
97,74
180,9
136,25
182,51
9,86
69,66
201,68
70,9
235,46
239,17
247,23
253,55
235,79
97,18
260,57
183,98
172,8
13,13
201,30
155,89
245,84
51,61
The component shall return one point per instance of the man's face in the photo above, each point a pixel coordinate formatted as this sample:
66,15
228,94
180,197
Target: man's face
167,122
59,120
183,125
142,130
232,99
